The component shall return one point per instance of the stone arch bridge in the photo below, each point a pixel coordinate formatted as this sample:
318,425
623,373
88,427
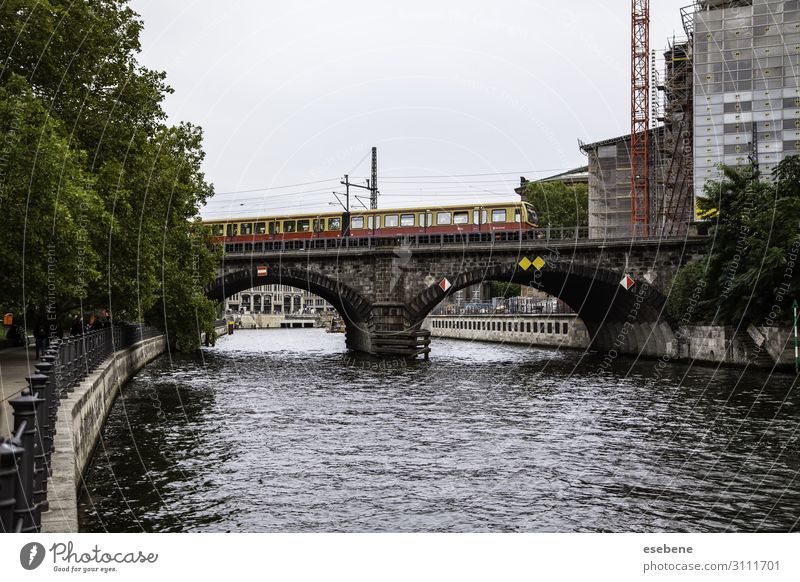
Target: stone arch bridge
384,288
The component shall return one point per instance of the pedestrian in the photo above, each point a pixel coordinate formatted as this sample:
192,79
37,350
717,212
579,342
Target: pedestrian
77,325
40,334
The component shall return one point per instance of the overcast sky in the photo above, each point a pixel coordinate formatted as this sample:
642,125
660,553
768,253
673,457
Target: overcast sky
298,92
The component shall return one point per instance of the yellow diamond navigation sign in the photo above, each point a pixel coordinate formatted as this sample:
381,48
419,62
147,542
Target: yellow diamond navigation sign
525,263
538,262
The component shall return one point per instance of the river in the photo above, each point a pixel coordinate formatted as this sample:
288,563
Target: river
282,431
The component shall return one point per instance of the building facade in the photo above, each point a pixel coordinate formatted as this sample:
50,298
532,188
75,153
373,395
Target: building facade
276,300
746,95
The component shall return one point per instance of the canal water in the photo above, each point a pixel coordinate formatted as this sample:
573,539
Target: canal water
282,431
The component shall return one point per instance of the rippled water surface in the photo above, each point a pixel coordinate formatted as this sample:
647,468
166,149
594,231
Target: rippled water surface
281,430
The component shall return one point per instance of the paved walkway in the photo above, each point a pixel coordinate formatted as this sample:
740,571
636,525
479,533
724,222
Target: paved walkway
15,365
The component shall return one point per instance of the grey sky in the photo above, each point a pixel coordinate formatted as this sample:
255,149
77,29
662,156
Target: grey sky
296,92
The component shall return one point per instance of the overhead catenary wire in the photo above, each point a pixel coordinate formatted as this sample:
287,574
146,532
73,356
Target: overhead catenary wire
437,179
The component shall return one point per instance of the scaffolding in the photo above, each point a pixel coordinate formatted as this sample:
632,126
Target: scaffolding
676,208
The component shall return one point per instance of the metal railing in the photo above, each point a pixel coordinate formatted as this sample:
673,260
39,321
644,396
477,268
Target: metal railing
603,234
510,306
25,457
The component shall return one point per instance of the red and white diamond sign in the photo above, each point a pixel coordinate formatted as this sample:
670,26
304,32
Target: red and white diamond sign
262,271
627,282
445,284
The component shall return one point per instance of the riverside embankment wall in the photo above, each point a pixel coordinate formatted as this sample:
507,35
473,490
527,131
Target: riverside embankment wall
79,425
762,347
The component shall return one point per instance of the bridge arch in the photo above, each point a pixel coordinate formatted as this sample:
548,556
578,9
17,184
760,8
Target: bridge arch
348,303
626,321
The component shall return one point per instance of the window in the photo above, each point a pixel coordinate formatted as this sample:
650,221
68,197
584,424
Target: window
406,220
429,219
442,218
461,218
517,215
390,220
528,326
274,227
478,218
357,222
289,226
499,215
319,224
302,225
247,228
564,327
334,224
261,227
557,326
233,229
217,229
549,327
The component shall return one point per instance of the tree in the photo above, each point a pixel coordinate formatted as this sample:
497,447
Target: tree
85,130
751,269
46,259
559,204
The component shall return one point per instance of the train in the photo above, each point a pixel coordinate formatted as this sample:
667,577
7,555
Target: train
491,217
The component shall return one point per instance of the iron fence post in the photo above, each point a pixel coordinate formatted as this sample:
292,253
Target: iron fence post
38,387
25,409
10,455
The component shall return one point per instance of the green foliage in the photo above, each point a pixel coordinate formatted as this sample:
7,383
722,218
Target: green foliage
89,164
752,267
559,204
687,294
504,289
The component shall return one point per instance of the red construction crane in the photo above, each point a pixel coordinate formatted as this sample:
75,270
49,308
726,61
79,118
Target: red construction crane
640,117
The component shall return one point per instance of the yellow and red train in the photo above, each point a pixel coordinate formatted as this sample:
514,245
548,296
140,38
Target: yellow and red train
493,217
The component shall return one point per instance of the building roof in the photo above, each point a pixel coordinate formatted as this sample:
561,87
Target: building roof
575,175
654,132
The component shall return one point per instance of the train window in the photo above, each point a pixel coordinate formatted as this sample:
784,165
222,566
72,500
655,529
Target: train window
357,222
247,228
564,327
334,224
289,226
233,229
475,217
421,219
442,218
461,218
499,215
319,224
217,229
429,221
390,220
370,222
261,227
303,225
274,227
517,215
406,220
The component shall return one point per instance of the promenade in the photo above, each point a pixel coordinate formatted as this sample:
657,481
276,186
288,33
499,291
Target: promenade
15,365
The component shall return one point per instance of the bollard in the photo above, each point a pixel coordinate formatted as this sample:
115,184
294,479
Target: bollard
10,456
25,510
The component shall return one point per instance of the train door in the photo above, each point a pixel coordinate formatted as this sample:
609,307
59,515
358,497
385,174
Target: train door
478,217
